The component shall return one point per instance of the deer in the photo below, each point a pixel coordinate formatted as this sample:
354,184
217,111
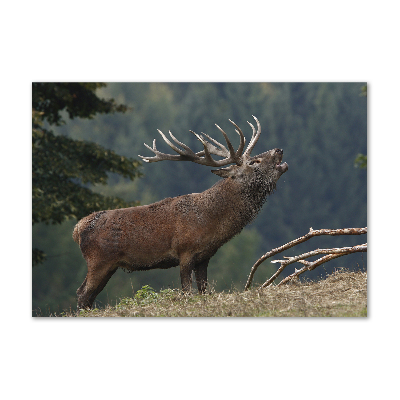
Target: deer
184,231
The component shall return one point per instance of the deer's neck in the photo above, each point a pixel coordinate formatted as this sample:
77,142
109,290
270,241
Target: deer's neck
238,201
254,194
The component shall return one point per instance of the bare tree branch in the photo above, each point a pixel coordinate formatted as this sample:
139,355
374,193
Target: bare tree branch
309,266
309,235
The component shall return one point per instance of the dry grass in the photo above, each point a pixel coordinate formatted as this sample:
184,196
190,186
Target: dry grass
342,294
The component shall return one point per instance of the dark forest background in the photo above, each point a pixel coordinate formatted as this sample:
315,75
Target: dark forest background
322,128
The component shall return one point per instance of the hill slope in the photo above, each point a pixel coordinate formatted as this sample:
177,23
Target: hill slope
342,294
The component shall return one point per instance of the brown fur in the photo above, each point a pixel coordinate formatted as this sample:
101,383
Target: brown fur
185,230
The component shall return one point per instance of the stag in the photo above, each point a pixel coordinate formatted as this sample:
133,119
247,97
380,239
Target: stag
184,231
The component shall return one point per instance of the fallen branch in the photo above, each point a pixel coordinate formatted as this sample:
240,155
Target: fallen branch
309,235
309,266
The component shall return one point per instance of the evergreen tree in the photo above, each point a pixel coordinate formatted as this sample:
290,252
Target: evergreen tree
63,168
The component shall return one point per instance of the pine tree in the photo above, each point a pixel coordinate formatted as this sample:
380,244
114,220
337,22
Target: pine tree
63,168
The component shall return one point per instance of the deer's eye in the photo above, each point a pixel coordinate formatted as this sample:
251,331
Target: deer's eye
254,161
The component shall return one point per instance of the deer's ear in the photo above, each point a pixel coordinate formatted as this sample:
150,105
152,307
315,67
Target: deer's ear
224,172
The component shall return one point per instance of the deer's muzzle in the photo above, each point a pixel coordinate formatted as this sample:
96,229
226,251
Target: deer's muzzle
280,166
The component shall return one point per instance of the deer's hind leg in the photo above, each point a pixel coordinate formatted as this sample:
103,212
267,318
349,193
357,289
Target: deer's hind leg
95,281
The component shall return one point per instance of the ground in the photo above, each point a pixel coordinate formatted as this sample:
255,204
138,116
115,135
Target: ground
341,294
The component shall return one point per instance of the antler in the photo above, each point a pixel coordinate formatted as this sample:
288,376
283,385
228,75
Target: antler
254,138
185,153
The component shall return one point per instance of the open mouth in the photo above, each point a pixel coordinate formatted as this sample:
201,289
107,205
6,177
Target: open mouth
280,166
283,167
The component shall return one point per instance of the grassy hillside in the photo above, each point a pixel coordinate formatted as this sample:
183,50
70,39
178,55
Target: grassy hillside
342,294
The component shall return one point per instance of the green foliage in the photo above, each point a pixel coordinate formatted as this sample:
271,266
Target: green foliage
363,91
126,302
146,294
78,99
361,161
63,168
38,256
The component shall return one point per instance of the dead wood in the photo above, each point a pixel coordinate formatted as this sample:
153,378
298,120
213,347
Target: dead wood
309,266
331,253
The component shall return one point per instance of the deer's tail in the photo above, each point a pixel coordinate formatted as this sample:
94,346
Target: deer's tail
86,224
75,233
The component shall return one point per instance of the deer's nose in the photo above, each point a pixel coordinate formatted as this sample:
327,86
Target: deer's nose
279,151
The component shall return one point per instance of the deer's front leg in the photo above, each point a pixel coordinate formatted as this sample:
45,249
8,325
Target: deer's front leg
186,266
200,271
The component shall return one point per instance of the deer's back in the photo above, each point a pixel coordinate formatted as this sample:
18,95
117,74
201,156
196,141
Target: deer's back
160,234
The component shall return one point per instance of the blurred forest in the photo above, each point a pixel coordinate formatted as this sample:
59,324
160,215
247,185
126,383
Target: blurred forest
322,128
